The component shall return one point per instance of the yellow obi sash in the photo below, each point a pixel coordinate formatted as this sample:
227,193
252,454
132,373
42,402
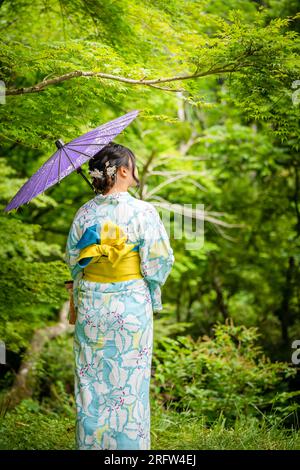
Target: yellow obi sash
112,260
102,271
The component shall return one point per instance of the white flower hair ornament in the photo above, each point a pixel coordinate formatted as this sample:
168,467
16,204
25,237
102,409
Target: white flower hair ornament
110,170
96,173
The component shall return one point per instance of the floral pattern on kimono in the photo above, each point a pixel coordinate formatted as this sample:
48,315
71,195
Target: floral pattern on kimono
114,327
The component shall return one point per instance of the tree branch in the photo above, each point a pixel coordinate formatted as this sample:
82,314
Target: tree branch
80,73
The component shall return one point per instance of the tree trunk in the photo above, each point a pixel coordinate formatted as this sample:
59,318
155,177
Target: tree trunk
220,297
25,379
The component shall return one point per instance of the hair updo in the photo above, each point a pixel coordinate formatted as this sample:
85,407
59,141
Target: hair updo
105,164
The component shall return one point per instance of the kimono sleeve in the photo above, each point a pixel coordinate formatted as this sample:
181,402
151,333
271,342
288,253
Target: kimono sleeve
156,255
71,253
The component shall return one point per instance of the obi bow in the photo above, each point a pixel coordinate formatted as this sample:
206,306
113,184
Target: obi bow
110,243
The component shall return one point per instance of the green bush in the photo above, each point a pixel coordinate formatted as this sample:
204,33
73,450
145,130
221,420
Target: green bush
227,374
54,373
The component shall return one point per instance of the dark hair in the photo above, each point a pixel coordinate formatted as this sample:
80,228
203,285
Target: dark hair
115,154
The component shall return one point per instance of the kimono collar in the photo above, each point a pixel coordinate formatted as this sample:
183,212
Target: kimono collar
117,195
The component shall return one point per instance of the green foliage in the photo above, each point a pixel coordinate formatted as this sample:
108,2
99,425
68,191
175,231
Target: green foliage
55,376
228,375
261,54
30,426
32,281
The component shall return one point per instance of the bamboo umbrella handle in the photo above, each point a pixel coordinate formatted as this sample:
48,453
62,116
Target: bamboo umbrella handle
72,310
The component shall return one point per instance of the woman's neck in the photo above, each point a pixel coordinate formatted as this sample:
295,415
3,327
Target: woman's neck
116,190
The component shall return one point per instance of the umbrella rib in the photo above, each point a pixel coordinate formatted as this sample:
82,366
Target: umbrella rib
69,158
92,138
81,153
80,145
95,131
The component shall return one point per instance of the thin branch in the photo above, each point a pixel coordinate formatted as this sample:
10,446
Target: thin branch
80,73
160,198
164,183
174,177
223,234
198,185
194,213
146,166
185,146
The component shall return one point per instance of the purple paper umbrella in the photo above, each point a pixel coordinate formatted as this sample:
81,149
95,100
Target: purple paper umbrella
70,157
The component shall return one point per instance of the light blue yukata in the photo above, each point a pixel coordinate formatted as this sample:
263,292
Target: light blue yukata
113,334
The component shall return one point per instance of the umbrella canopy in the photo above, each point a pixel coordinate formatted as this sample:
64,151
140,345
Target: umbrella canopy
70,157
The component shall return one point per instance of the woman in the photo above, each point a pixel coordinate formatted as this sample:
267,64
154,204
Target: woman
119,255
